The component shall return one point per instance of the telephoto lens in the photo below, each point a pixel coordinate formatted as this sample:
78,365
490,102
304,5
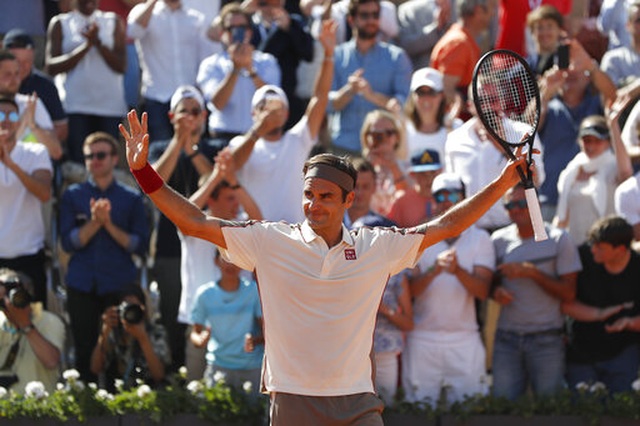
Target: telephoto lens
131,313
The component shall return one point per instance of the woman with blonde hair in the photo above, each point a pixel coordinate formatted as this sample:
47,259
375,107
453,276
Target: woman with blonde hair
384,145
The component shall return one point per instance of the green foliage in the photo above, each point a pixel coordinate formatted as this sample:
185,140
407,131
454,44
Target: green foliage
75,400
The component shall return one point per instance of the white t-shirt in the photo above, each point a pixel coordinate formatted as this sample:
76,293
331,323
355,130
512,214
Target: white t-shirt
319,304
273,173
21,222
627,199
446,305
197,267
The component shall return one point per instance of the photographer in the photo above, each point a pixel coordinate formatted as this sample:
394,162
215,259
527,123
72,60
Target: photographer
130,347
31,339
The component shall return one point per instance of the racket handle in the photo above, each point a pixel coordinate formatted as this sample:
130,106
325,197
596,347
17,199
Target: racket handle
539,233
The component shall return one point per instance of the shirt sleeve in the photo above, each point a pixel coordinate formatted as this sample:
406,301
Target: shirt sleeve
568,255
243,242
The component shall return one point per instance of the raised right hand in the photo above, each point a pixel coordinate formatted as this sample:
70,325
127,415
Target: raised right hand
137,140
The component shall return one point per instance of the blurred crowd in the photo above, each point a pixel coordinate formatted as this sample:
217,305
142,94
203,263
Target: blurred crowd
237,97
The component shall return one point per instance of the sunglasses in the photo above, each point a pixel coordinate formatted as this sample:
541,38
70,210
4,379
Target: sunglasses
422,92
97,155
443,196
12,116
379,135
194,111
519,204
369,15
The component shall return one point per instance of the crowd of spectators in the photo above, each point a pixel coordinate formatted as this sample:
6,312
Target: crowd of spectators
238,96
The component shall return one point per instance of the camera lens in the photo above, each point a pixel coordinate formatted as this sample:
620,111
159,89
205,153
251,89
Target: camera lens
19,297
131,313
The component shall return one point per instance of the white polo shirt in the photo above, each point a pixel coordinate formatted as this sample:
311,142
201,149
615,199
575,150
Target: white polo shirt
319,304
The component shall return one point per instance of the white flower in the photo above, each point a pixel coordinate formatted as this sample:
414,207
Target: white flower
219,376
59,386
78,386
35,390
182,371
195,386
3,392
119,384
93,386
598,386
636,385
143,391
582,387
103,395
247,386
71,374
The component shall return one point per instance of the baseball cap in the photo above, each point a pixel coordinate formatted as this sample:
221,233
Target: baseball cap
425,161
17,38
594,126
186,92
427,77
448,182
269,91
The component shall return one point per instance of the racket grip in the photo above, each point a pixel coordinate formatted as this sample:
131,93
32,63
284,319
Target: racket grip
539,232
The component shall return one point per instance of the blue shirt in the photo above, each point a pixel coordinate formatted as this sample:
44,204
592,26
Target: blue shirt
559,137
236,115
231,315
102,265
388,70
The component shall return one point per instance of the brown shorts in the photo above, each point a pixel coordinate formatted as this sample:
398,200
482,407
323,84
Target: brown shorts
362,409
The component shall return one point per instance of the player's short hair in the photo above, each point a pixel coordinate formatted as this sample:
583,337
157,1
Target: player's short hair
614,230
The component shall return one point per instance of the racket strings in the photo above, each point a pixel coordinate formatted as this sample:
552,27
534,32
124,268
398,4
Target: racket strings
507,97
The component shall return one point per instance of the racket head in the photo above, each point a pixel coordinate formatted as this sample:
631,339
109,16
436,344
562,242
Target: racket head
506,97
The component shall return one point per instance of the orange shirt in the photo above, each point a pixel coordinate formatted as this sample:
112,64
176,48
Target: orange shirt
456,54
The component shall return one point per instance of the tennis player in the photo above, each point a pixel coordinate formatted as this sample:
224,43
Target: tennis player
320,284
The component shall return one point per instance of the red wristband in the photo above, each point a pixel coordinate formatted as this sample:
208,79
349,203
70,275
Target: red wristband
148,179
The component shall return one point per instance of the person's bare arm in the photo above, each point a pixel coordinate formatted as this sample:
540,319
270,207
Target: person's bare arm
464,214
562,287
38,183
145,14
55,61
184,214
116,57
318,104
587,313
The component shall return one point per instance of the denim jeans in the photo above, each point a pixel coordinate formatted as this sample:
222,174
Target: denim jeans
616,373
520,359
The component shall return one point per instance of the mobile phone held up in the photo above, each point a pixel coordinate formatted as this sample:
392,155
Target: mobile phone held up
237,34
563,56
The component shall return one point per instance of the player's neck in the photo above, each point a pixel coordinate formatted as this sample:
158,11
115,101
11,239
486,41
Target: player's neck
229,283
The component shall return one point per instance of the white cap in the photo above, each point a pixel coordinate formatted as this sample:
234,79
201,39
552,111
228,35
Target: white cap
269,91
186,92
447,181
427,77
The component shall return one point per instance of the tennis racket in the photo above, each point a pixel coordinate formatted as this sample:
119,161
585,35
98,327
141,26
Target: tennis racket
507,101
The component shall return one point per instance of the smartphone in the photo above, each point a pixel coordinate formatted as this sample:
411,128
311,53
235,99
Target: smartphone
563,56
237,34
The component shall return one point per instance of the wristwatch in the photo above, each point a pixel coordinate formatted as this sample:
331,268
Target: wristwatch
27,329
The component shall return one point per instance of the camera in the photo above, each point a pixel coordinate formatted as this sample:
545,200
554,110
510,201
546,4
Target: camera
18,296
131,313
237,34
563,56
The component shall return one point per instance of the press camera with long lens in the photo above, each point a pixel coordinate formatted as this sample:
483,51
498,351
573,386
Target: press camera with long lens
131,313
18,296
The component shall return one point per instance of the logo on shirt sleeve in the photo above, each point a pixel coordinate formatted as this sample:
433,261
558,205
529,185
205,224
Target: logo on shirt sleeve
350,254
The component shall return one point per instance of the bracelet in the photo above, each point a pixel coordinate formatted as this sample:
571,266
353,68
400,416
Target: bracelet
236,186
193,154
148,179
252,73
328,58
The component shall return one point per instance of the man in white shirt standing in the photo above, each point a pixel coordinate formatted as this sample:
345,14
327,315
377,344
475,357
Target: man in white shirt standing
171,41
25,183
